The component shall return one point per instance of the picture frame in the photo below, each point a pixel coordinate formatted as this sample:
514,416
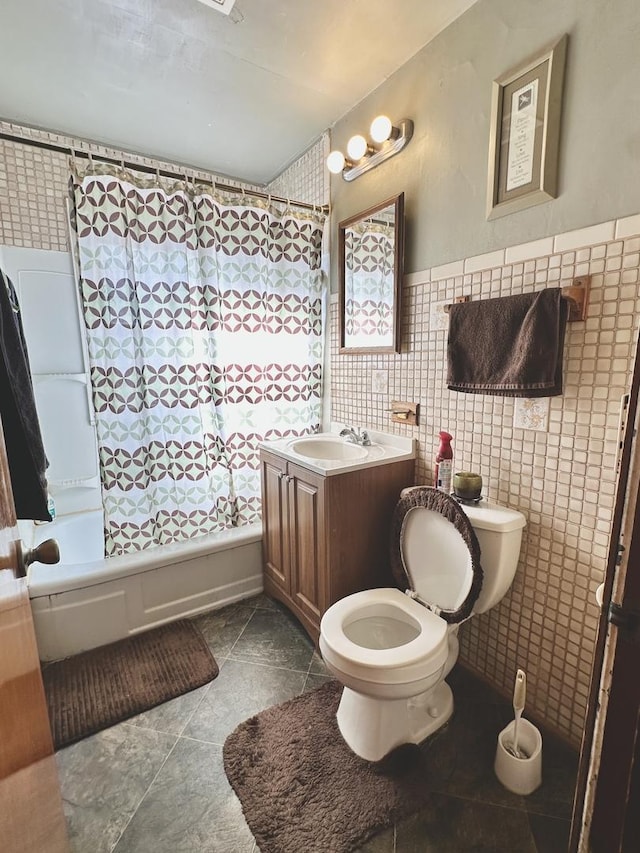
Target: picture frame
526,106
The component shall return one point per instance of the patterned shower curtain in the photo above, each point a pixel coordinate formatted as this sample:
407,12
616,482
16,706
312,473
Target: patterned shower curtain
204,331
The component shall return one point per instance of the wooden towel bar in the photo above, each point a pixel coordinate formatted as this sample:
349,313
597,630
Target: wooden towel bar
576,293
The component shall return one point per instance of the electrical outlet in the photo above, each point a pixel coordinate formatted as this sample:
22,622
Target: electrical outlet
379,382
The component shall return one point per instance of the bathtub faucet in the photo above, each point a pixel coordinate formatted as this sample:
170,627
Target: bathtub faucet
356,436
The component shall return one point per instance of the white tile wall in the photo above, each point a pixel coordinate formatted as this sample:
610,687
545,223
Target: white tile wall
562,476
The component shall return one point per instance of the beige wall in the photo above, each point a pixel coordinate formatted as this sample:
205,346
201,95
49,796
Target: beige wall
562,476
446,90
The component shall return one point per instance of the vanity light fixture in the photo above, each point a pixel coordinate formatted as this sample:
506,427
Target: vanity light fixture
357,147
388,140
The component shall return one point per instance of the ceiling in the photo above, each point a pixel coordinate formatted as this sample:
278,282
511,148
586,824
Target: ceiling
241,95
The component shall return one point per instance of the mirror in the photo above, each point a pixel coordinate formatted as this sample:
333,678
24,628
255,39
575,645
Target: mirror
370,258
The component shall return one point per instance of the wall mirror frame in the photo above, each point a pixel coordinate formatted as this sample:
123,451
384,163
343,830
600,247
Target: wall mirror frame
370,267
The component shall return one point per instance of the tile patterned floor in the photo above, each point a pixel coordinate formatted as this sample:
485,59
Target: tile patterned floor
155,783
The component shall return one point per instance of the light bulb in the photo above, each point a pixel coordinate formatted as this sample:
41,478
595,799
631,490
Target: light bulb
380,129
357,147
335,162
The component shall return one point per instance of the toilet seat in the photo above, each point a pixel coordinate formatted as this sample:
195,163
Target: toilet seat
410,661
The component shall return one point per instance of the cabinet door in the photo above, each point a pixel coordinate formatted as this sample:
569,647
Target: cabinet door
275,523
307,559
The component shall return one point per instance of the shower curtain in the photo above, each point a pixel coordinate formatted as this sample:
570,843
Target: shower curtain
204,331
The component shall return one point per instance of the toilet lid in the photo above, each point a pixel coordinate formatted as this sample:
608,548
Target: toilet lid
435,552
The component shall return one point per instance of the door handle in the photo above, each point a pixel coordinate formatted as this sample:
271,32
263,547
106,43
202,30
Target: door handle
46,552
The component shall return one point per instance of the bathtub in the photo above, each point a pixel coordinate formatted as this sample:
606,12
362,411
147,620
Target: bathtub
86,600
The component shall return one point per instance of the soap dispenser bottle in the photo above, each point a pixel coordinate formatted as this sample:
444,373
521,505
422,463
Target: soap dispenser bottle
444,463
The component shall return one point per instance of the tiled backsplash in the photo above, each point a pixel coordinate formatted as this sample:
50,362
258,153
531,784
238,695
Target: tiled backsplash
563,479
33,184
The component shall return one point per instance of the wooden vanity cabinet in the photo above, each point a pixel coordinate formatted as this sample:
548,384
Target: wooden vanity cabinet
326,537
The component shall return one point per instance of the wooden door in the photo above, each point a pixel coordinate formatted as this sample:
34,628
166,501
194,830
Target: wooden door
615,801
31,816
615,824
275,523
306,521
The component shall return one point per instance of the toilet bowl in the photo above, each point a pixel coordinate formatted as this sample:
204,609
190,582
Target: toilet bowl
392,650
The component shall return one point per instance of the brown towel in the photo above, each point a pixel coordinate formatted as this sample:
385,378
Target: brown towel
508,347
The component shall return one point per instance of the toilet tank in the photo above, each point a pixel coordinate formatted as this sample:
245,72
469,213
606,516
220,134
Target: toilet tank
499,532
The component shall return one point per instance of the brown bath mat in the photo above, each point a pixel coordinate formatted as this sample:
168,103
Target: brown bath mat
301,787
96,689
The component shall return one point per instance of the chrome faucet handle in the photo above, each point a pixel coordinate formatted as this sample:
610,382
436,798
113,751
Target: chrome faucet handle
359,436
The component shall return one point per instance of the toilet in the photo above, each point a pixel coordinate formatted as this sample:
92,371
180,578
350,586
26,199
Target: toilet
392,649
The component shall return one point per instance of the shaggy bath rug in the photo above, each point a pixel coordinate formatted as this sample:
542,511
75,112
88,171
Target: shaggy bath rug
96,689
301,787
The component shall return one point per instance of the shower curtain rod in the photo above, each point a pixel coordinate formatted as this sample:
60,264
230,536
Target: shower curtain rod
165,173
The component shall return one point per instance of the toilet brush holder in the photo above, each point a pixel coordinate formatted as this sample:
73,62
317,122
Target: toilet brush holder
520,775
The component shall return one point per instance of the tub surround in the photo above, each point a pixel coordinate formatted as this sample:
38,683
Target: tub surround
57,354
89,602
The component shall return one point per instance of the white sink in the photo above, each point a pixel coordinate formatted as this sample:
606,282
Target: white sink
328,453
328,448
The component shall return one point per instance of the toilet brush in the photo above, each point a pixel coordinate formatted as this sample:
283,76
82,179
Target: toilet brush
519,695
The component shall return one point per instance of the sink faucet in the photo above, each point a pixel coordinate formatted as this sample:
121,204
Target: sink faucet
356,437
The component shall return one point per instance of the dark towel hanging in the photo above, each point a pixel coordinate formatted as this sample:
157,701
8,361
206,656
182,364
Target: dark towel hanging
510,346
25,450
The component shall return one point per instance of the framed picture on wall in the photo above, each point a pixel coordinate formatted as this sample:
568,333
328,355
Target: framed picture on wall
525,130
